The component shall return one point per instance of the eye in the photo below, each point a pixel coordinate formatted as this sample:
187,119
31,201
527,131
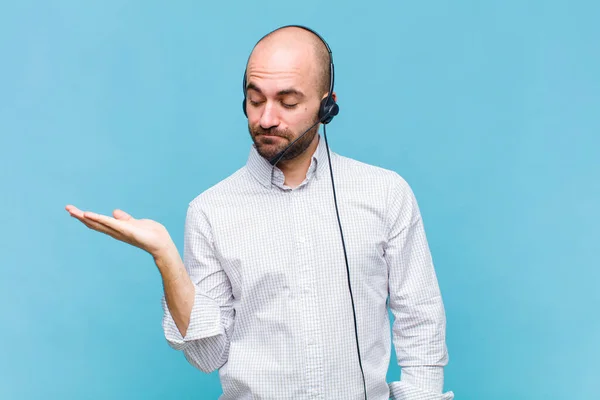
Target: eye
254,103
290,106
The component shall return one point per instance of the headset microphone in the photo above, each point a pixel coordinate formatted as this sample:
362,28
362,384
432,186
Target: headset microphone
278,157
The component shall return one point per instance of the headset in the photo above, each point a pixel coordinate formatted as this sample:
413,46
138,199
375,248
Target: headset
327,110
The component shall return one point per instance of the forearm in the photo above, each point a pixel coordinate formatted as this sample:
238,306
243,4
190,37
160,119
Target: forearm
419,333
178,287
193,322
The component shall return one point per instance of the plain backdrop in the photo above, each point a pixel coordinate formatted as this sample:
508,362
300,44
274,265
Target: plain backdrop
490,110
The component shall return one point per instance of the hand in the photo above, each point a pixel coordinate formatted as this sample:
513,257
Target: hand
146,234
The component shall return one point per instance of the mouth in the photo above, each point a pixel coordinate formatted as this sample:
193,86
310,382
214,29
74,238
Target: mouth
269,137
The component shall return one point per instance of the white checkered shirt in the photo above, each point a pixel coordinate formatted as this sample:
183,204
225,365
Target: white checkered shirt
272,309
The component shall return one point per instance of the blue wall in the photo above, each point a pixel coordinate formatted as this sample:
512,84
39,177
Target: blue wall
490,110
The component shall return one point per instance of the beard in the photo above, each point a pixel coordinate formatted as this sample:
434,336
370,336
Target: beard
269,147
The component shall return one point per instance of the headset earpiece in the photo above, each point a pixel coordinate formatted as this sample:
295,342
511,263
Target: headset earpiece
328,110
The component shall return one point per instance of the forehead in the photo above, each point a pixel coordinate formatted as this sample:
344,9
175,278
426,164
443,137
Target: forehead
277,66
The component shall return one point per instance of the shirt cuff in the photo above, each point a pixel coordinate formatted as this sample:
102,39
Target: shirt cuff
400,390
205,321
420,383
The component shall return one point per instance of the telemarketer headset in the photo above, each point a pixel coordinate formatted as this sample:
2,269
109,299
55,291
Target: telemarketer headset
327,110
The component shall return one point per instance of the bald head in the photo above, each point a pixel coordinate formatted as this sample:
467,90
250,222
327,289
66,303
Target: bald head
301,50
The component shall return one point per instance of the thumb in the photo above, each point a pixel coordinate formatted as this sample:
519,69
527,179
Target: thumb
121,215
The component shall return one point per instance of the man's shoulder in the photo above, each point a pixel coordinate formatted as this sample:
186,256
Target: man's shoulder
363,171
382,184
222,190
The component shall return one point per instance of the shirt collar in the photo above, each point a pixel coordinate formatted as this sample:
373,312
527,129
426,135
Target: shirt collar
269,175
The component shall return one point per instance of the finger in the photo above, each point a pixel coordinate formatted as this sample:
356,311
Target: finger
74,211
106,230
109,222
122,215
99,227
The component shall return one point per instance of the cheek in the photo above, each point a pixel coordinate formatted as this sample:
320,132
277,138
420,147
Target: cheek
304,114
307,116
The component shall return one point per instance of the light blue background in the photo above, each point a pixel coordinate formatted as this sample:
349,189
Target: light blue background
488,109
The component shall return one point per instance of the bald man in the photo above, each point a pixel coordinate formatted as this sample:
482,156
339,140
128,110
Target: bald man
262,293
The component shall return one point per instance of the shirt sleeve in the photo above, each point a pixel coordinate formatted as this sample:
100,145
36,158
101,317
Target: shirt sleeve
206,343
419,328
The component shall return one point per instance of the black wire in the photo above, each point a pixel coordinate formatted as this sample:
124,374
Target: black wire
346,258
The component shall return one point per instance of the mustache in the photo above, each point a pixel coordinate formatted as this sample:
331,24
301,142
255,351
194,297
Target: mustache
284,133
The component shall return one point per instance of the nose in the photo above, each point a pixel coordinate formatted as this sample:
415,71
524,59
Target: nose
270,117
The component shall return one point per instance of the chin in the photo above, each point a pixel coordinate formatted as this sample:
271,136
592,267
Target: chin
267,151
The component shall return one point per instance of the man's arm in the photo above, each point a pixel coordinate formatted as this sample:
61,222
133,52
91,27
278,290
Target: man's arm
198,302
419,329
198,310
178,287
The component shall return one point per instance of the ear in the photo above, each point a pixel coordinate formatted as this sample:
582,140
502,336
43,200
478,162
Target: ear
333,96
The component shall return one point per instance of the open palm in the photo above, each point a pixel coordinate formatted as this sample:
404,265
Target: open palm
146,234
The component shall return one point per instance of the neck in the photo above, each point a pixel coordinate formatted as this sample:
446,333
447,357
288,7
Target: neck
295,170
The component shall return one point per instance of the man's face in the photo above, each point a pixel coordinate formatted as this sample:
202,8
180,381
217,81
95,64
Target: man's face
282,100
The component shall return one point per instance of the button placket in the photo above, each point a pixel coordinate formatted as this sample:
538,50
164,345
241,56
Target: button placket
306,264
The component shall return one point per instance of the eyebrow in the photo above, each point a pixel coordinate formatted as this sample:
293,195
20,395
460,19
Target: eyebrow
284,92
